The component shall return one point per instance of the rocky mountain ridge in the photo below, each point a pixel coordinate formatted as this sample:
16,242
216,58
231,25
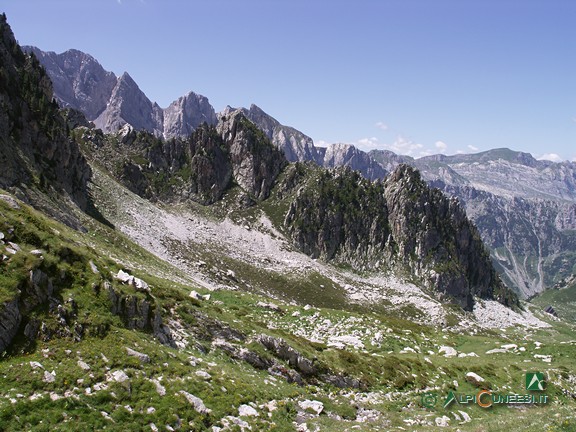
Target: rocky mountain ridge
525,210
193,308
499,175
111,102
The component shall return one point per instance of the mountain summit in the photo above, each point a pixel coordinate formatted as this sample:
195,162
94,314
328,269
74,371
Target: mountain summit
111,102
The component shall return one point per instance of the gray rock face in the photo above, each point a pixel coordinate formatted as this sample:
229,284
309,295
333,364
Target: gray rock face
129,105
523,208
401,224
46,158
285,352
347,155
79,80
111,102
139,314
255,162
186,113
295,145
10,319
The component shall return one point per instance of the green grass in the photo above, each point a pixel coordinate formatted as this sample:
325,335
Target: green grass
395,380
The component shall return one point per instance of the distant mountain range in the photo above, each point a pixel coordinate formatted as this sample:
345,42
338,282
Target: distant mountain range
525,209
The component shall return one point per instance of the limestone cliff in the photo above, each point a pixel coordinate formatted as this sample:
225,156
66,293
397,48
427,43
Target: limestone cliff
399,224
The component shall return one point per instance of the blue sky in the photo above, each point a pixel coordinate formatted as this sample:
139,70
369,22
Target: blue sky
413,76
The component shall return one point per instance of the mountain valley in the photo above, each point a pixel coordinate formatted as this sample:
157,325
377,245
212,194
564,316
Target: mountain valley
178,269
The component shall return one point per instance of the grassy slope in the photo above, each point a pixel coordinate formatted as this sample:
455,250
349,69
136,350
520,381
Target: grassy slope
395,380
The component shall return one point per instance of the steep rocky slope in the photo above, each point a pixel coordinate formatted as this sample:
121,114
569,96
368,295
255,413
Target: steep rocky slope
295,145
128,105
79,81
177,315
199,168
111,102
346,155
399,225
186,113
525,210
39,161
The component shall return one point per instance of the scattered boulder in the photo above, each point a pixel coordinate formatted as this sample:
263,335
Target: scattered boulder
247,411
128,279
229,421
474,379
123,277
196,402
367,415
144,358
551,311
510,347
196,295
271,306
204,375
119,376
497,351
448,351
160,389
141,285
36,365
49,377
312,405
443,421
83,365
345,340
93,267
465,417
544,358
470,354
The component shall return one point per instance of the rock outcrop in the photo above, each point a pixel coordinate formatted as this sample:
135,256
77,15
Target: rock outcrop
295,145
186,113
79,81
10,319
111,102
398,224
255,161
128,105
337,155
199,168
140,314
46,159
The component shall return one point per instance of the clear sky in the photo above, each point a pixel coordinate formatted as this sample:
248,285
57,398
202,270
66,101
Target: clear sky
413,76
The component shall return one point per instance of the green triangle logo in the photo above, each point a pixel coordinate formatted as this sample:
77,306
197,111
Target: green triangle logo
535,381
449,399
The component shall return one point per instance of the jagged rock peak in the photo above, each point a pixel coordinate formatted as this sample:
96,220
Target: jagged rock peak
399,224
186,113
129,105
340,154
256,162
79,81
295,145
